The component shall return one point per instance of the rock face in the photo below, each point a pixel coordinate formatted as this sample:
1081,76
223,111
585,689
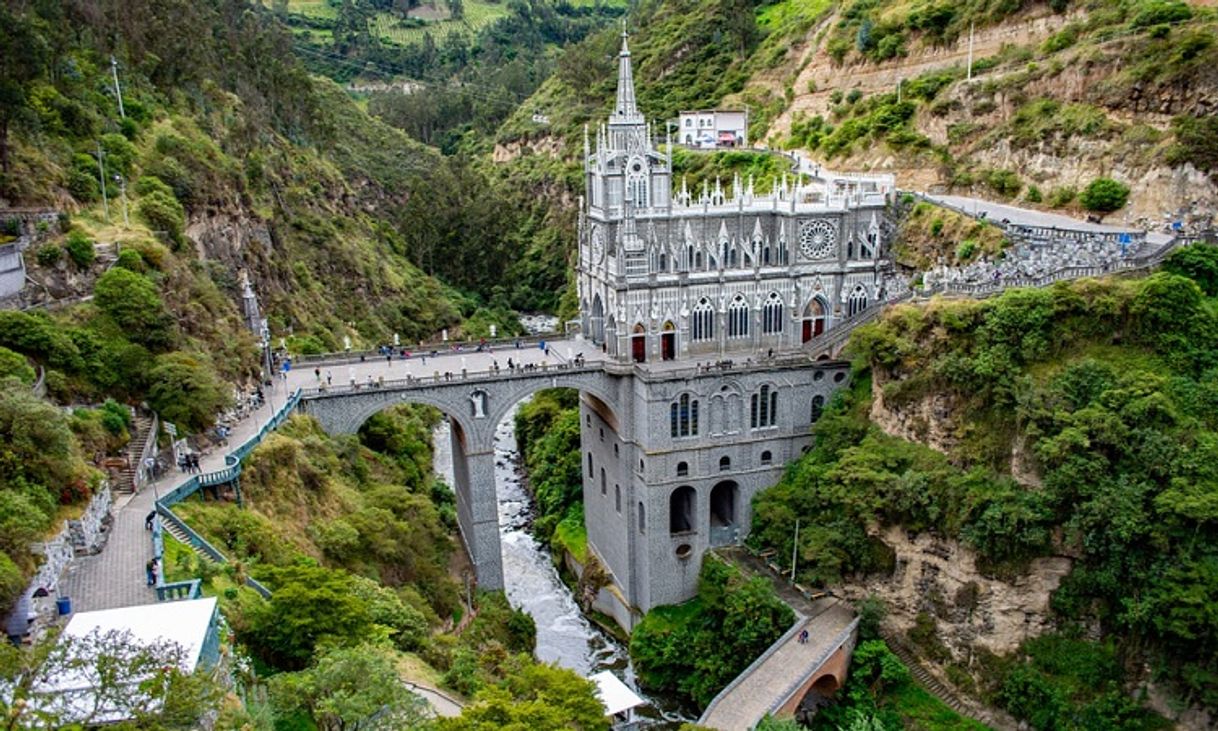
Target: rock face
927,421
940,577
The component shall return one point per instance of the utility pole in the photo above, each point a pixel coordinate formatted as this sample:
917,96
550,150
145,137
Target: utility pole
101,168
795,550
970,50
118,92
899,82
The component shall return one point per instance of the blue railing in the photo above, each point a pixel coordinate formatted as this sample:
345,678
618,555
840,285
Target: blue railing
232,460
230,472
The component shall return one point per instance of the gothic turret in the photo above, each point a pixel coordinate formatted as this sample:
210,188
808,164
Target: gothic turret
625,111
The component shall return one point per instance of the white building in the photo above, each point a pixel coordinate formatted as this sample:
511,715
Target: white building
710,128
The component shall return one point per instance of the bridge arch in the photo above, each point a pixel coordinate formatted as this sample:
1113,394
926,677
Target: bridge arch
475,406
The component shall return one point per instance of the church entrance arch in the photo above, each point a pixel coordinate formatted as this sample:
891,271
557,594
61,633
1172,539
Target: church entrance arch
638,344
668,341
814,318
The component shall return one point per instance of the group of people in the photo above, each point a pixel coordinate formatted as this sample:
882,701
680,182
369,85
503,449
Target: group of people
189,462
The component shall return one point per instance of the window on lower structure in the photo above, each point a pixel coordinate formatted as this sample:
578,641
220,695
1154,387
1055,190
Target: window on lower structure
725,464
766,457
682,469
683,415
617,498
763,411
818,408
604,485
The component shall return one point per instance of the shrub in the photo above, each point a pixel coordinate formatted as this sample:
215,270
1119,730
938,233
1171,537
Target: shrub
1062,196
1158,12
1104,195
80,249
966,249
131,260
186,391
15,364
163,214
131,300
1004,182
48,255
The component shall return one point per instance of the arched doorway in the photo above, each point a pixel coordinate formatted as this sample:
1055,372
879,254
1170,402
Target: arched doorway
814,319
668,342
638,344
681,506
723,513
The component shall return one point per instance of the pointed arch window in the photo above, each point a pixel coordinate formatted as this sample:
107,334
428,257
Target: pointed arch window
857,301
738,318
771,314
702,326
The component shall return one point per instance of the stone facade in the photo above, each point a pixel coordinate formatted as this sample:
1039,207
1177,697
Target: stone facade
654,503
666,274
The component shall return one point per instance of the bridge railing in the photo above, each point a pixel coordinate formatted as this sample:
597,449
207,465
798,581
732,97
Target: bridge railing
464,376
441,349
728,689
231,471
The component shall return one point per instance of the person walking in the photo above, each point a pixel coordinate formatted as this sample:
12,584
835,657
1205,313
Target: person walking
329,378
148,520
150,571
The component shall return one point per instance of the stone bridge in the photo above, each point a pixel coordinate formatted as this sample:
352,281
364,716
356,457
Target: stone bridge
475,402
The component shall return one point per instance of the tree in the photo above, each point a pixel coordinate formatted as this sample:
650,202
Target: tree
310,605
1197,262
351,688
141,684
456,9
533,697
185,390
23,58
1104,195
163,214
132,302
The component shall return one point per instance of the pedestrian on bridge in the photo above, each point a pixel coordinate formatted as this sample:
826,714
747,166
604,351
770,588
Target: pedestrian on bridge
148,520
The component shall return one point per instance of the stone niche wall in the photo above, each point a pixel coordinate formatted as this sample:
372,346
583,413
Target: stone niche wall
940,577
84,535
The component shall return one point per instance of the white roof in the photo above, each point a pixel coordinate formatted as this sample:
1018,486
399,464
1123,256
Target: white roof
183,622
614,695
70,695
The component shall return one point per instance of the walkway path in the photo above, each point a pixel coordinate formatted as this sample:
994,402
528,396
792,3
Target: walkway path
115,577
783,668
748,698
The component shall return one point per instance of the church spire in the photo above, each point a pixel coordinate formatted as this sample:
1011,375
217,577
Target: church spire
626,111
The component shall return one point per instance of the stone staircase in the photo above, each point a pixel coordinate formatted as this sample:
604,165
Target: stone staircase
933,685
141,428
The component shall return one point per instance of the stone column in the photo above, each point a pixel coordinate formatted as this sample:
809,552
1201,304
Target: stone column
477,510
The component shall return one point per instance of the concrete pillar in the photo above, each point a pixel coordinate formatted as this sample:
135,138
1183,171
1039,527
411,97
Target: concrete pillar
477,509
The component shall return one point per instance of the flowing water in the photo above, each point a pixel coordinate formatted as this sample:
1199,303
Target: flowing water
564,634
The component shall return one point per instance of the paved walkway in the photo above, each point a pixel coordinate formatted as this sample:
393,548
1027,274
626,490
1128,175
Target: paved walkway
115,577
744,705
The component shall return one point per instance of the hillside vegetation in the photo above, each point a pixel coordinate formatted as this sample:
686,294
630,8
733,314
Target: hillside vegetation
1080,423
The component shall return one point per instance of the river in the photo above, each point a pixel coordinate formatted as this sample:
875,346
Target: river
564,634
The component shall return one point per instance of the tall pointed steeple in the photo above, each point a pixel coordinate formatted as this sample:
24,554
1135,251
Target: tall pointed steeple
625,111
